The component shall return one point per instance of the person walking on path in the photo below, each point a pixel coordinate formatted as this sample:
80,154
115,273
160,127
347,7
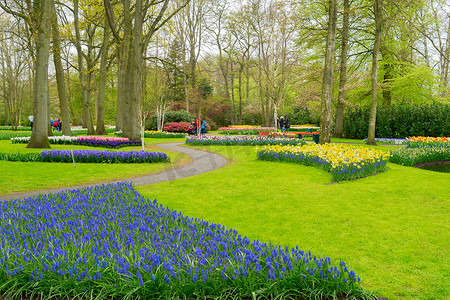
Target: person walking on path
282,123
204,124
31,118
287,125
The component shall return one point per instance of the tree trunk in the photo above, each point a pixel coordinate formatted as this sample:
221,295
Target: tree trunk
241,68
247,84
86,107
120,87
445,78
100,130
327,86
136,55
49,125
233,109
39,136
127,90
65,119
87,103
377,8
339,125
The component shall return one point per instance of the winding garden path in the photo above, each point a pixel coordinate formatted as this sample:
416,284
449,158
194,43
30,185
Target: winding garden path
202,162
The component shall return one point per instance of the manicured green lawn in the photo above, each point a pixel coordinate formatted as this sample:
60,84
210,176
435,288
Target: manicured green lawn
393,227
20,177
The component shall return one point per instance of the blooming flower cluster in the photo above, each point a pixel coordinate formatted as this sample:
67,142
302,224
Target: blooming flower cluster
277,134
92,156
114,243
107,142
344,162
62,140
8,135
102,138
162,134
95,141
241,140
390,141
244,130
305,126
426,141
176,127
243,126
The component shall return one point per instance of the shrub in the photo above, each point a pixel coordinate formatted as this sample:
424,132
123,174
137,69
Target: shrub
169,117
301,115
399,121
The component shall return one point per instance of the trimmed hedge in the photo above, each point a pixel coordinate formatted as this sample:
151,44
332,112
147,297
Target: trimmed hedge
399,121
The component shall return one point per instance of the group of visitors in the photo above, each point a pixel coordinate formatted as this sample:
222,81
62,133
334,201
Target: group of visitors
56,124
195,125
284,124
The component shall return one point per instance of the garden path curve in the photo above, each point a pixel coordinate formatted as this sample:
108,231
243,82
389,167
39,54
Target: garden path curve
201,162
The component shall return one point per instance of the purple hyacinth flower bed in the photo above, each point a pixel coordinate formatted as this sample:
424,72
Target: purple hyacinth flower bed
94,156
106,143
110,242
205,140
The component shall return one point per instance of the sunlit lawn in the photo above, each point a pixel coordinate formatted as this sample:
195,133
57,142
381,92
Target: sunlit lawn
393,227
19,177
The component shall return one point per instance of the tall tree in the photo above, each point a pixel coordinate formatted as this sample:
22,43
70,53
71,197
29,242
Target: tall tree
84,81
14,63
339,123
327,83
56,41
377,10
37,16
154,15
43,16
100,130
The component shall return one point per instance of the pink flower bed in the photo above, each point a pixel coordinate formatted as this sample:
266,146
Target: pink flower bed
176,127
102,138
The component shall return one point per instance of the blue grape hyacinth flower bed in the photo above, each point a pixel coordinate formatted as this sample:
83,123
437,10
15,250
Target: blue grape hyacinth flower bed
93,156
110,242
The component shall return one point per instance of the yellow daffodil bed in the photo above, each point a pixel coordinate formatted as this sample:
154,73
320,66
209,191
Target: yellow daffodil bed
344,162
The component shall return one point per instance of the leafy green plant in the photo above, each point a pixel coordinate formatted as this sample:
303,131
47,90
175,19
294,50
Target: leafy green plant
25,157
412,156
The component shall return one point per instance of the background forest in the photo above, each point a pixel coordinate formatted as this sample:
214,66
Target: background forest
231,62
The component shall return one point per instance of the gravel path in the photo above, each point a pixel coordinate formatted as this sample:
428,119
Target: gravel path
202,162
